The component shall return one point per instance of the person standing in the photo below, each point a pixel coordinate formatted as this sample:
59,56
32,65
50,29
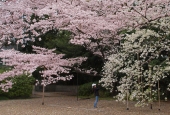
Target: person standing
96,94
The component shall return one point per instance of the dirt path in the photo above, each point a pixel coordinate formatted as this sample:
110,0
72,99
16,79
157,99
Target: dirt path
68,105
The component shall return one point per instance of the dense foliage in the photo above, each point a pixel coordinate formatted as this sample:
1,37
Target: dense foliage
22,87
86,90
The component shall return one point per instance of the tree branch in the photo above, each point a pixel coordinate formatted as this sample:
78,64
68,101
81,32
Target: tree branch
82,72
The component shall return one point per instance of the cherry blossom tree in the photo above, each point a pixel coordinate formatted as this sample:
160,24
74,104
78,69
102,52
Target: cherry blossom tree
51,63
91,20
16,28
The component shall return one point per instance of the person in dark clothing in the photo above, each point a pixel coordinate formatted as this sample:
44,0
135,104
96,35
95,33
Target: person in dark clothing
96,94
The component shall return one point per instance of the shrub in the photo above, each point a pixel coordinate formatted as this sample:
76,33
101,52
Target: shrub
86,90
3,98
22,87
4,68
104,93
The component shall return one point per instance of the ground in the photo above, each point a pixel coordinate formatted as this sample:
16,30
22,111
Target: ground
68,105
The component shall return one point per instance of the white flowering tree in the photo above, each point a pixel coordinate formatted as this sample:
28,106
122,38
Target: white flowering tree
142,61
